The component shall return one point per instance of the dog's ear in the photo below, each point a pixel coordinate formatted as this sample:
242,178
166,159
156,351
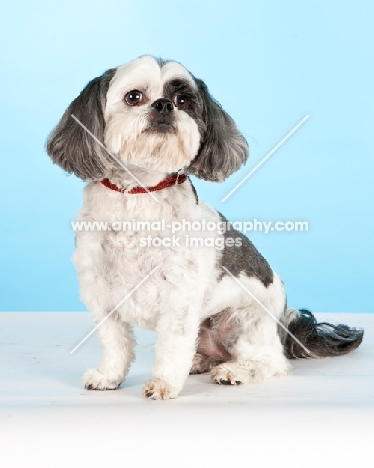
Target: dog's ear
70,145
223,148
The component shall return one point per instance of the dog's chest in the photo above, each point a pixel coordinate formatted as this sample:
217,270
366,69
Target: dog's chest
127,251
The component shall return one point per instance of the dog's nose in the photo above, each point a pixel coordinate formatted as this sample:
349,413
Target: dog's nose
163,106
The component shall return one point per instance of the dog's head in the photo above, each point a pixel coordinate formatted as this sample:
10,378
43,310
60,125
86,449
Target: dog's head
151,114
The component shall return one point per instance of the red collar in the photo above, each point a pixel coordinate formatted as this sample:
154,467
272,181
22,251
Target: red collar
175,179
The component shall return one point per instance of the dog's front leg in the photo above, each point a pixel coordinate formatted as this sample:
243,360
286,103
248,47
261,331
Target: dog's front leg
174,351
117,340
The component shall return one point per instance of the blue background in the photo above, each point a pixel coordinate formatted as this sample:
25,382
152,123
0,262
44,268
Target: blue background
269,64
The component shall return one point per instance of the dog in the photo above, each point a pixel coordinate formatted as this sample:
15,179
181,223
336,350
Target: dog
216,308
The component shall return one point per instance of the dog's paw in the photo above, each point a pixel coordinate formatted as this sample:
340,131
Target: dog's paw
227,374
234,373
158,389
95,380
201,364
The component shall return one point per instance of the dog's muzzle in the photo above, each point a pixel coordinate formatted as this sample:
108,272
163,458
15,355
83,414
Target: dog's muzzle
163,106
161,118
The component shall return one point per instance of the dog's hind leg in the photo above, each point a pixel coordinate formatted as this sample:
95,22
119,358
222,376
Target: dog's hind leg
213,332
202,364
257,354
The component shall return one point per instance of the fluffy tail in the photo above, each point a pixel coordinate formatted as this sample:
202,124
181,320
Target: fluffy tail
320,339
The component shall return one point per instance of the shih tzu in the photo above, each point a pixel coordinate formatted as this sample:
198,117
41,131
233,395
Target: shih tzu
219,310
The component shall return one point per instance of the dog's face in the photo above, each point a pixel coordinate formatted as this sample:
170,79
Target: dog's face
151,114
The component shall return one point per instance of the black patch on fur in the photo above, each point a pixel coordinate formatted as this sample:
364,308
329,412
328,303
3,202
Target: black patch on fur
195,105
321,339
70,146
245,259
194,191
223,149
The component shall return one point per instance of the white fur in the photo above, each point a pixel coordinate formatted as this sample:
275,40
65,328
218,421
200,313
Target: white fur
174,300
124,134
187,287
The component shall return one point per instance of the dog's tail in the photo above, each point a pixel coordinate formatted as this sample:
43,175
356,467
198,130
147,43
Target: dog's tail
318,339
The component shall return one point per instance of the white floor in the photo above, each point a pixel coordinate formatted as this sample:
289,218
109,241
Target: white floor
321,415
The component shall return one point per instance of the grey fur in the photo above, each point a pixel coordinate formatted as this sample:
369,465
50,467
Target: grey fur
161,62
321,339
194,191
245,259
223,148
195,100
70,146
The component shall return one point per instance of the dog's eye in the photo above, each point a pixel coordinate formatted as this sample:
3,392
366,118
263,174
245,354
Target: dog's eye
181,101
134,97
